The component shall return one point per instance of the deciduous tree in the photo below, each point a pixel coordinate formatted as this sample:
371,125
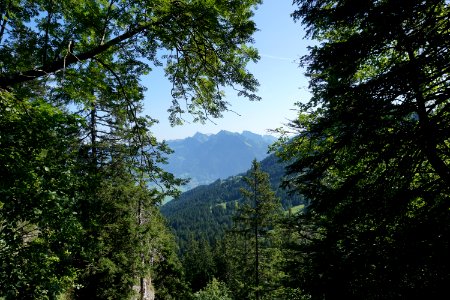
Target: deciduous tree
39,227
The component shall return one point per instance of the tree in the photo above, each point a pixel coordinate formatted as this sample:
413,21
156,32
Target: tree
251,237
39,229
198,263
167,275
372,150
215,290
83,62
58,44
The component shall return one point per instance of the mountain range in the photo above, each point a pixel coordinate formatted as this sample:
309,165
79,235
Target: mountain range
205,158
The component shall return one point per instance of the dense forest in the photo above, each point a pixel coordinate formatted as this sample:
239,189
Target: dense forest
82,177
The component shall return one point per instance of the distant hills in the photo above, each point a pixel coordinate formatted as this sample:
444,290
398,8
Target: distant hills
206,158
206,211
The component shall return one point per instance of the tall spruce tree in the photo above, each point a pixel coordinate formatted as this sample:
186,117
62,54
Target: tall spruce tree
252,243
372,151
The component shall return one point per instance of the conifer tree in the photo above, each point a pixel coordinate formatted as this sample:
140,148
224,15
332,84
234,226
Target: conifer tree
251,236
198,262
372,153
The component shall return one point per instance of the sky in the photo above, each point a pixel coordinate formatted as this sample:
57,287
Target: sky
280,42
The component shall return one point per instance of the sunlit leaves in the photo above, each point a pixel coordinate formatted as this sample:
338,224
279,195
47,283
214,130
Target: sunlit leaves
38,226
206,40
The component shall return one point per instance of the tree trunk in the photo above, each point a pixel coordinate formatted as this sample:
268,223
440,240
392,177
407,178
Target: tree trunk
256,236
427,135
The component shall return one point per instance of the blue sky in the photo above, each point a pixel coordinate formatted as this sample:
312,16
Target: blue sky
280,43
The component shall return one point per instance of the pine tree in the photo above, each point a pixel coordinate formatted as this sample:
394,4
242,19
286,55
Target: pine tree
251,237
372,153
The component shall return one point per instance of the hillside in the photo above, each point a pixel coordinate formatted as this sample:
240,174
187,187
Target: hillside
207,210
206,158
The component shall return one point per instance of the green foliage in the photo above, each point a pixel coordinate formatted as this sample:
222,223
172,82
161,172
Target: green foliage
371,153
118,248
215,290
205,46
168,274
260,207
81,174
39,229
198,263
207,211
252,244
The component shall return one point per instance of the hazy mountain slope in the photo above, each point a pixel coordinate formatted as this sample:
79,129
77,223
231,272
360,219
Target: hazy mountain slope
206,158
207,210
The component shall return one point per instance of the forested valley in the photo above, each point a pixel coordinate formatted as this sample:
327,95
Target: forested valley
353,202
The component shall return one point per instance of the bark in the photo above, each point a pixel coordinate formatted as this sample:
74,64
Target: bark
428,141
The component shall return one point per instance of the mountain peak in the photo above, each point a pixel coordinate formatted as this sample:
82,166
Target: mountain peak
225,132
201,137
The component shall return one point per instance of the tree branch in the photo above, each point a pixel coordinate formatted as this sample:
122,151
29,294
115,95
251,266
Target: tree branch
3,26
427,132
21,77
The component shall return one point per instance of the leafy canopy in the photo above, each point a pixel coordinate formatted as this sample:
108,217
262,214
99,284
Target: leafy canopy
204,46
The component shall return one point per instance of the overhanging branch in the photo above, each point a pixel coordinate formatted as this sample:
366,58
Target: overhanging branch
9,80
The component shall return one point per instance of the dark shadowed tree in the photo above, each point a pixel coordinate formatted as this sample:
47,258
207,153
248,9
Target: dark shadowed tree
372,151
